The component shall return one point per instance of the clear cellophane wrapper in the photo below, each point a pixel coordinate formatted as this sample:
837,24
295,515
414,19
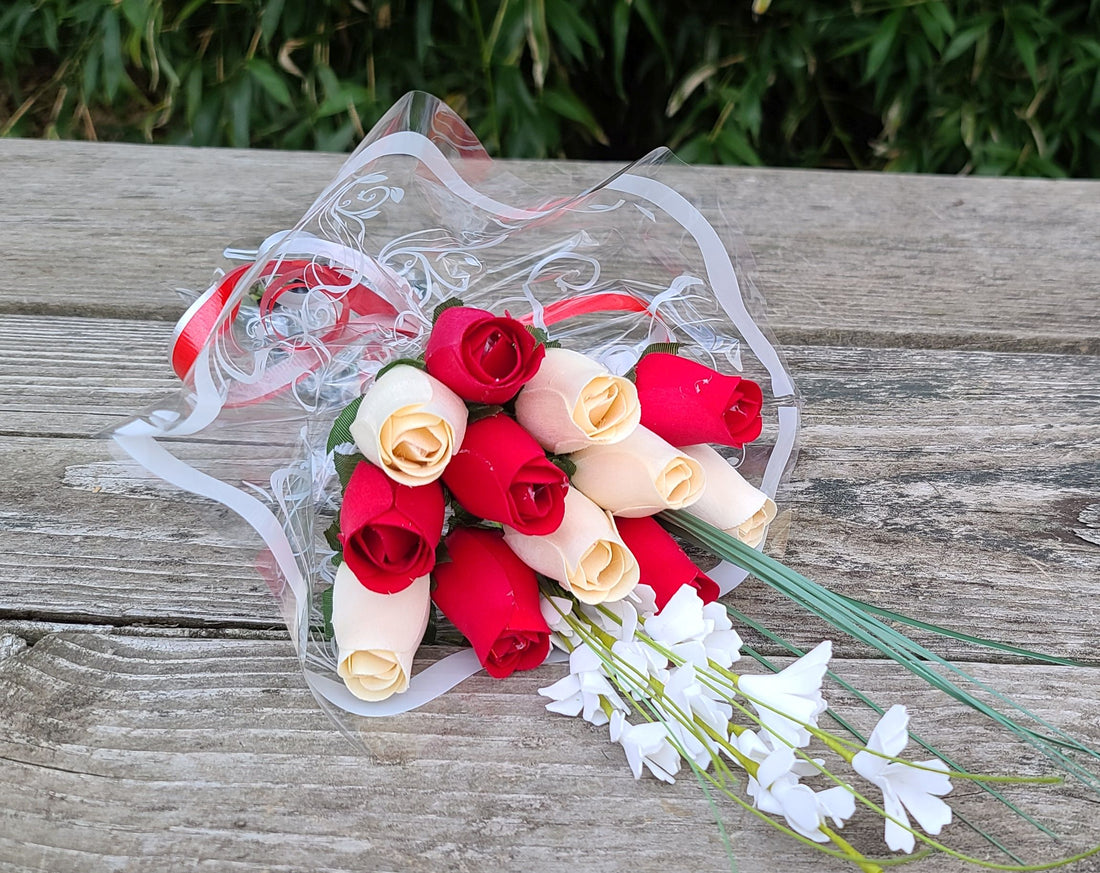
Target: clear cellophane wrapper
418,215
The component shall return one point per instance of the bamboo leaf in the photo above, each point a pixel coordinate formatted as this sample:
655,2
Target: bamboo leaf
538,40
268,79
269,20
620,30
881,44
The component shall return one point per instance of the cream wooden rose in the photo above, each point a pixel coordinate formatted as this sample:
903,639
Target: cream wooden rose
409,424
585,555
640,475
573,402
377,634
728,502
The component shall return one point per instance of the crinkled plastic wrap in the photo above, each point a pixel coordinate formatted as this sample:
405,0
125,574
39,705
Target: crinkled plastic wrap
418,215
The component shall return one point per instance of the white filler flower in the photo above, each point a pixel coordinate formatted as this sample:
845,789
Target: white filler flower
904,787
580,692
776,787
646,744
792,697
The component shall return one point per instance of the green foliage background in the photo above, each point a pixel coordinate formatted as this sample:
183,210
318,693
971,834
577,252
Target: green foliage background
973,87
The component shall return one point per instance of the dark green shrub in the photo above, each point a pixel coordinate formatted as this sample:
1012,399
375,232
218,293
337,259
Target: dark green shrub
899,84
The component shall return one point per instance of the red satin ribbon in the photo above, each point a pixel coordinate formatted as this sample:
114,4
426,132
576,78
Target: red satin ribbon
586,304
355,305
351,299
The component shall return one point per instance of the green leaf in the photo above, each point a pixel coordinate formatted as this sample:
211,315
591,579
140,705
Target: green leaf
400,362
423,30
478,411
571,28
113,72
49,29
239,105
332,537
326,614
1024,40
694,79
538,333
449,303
962,41
345,466
735,148
269,20
341,427
187,11
931,25
881,43
568,105
942,14
270,81
653,348
538,40
91,72
620,29
564,463
656,31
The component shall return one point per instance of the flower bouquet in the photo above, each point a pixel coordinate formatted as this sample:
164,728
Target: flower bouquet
555,431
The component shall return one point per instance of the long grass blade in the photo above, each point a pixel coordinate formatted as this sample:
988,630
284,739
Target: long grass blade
868,629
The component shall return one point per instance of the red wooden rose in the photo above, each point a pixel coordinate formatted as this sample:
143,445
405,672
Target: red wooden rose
389,531
661,562
501,474
482,357
492,597
686,403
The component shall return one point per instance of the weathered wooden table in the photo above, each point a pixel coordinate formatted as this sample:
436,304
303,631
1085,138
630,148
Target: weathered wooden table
945,333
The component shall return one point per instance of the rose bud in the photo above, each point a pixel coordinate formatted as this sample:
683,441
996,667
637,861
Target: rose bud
573,402
585,554
687,403
389,531
640,475
409,424
729,503
483,358
492,597
377,634
501,474
663,565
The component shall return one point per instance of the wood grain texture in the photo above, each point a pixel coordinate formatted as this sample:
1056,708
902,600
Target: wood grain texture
948,483
152,715
211,755
109,229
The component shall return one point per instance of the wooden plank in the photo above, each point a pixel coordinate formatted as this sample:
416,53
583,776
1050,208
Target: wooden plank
73,376
904,452
843,258
211,755
948,484
67,376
